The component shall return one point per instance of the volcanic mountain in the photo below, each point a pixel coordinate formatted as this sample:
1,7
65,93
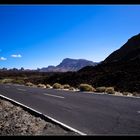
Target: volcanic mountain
128,52
69,65
121,69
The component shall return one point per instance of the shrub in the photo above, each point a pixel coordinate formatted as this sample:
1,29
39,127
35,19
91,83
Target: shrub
86,87
57,86
100,89
19,81
129,94
48,86
118,93
66,86
125,93
6,80
72,88
136,94
41,85
110,90
29,84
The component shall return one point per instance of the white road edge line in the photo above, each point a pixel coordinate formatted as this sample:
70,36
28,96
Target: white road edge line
54,95
58,122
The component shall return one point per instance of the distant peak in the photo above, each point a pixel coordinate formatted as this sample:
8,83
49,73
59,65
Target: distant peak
74,59
67,59
69,64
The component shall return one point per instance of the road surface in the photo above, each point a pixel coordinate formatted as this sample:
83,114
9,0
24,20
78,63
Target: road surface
92,114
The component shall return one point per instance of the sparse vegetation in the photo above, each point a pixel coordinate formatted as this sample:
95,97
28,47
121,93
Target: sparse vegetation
86,87
86,75
29,84
100,89
18,81
41,85
48,86
6,80
110,90
72,88
66,86
57,86
136,94
10,80
125,93
118,93
129,94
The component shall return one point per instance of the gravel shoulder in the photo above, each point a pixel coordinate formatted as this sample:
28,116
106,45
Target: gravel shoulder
14,120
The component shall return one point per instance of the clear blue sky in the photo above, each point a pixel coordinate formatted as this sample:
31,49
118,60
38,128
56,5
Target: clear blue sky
40,35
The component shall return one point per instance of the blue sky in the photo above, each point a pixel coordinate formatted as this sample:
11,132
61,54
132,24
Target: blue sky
35,36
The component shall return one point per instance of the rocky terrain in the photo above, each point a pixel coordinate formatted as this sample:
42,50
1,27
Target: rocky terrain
121,70
16,121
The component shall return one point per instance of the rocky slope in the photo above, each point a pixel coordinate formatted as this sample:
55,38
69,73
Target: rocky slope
129,51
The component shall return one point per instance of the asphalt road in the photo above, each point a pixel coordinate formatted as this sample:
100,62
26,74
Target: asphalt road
92,114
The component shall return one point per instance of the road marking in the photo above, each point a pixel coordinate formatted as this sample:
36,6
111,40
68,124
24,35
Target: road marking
53,95
54,120
21,89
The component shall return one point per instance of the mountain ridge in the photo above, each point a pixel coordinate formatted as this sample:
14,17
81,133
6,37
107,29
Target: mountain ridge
69,64
125,53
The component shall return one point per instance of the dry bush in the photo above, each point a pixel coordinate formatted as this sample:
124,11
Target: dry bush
72,88
29,84
57,86
110,90
136,94
18,81
48,86
86,87
41,85
66,86
6,80
100,89
125,93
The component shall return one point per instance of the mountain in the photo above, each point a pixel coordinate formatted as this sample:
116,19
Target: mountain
129,51
69,65
121,69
